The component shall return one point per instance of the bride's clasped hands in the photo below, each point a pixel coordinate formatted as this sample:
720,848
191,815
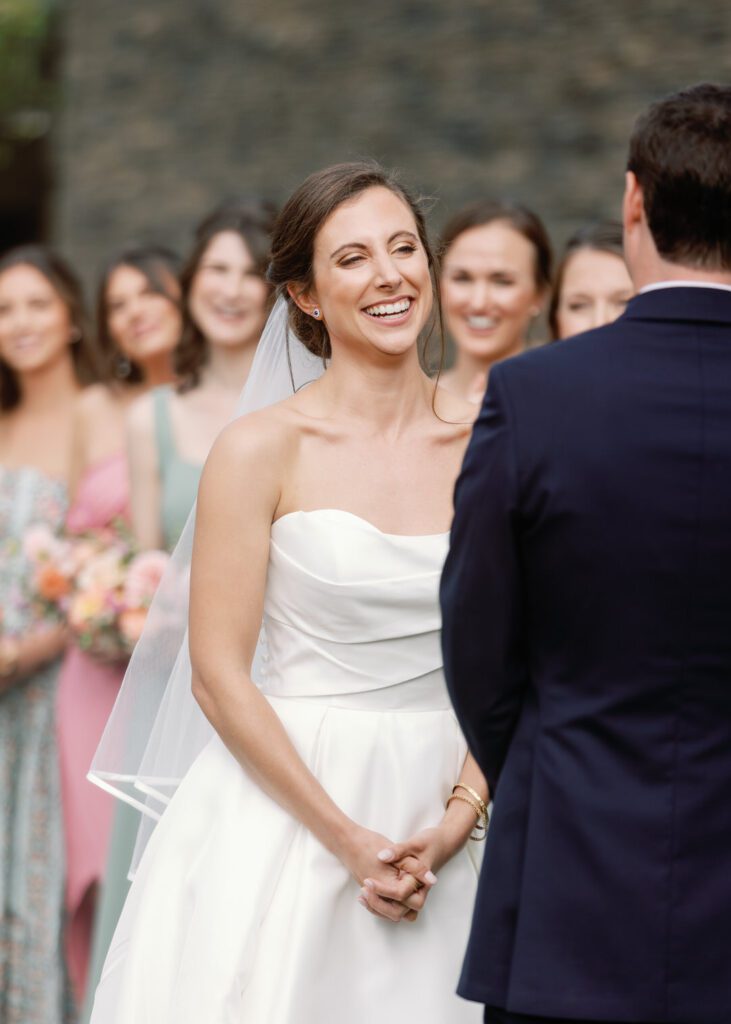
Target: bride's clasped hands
402,893
390,890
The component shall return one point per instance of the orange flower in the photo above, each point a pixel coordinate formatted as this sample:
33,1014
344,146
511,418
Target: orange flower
52,584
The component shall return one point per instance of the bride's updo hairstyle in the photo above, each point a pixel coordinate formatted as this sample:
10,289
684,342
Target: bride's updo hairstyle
304,213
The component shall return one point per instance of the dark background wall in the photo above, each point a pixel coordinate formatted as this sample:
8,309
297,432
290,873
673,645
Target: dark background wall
170,104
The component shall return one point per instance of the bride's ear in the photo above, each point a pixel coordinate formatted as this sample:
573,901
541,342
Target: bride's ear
304,299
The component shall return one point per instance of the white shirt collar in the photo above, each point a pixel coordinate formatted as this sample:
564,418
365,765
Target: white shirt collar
658,285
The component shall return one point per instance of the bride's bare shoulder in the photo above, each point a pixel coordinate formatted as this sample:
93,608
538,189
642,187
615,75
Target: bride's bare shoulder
262,440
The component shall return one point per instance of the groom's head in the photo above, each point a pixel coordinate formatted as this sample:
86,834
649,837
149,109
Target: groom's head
677,205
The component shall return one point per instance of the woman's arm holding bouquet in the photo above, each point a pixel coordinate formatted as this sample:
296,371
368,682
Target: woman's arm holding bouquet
144,474
21,656
238,499
81,425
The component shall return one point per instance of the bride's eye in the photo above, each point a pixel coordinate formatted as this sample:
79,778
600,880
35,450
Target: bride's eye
350,261
407,248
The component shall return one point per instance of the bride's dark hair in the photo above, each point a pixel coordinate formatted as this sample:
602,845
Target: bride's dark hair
304,213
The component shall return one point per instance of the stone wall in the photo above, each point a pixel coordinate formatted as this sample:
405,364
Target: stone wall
172,104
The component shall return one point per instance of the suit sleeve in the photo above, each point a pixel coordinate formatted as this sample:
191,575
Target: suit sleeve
481,593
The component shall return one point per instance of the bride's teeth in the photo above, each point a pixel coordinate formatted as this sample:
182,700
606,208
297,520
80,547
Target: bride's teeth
389,308
480,323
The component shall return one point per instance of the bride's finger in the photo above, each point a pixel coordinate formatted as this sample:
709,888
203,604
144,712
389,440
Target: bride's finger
383,907
400,888
413,899
410,915
417,901
410,864
401,854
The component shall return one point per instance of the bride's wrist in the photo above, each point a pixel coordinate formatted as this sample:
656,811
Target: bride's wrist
457,826
344,839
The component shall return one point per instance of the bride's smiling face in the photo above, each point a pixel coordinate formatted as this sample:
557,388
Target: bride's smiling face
371,274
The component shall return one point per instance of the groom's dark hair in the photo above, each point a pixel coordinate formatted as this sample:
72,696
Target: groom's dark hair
680,153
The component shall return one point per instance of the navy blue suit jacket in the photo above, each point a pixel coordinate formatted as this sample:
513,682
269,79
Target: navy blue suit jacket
587,647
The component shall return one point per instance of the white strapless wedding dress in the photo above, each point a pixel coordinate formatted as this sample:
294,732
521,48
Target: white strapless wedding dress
237,914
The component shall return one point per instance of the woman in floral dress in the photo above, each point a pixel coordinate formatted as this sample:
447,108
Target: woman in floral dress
44,358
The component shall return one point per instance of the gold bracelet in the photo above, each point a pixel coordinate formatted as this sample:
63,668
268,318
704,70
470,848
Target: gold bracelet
478,827
475,795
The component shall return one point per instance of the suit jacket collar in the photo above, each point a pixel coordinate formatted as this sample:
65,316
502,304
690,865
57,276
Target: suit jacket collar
691,304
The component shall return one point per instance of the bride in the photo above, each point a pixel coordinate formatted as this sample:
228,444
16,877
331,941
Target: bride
293,876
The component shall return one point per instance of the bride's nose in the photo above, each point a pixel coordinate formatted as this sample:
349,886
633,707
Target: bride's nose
387,274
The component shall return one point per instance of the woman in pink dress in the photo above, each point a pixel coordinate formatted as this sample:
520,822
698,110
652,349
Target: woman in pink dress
139,325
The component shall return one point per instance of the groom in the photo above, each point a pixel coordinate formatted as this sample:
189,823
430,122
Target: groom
587,623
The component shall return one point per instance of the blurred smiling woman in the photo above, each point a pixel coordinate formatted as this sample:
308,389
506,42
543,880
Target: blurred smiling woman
44,360
496,273
139,325
593,285
225,301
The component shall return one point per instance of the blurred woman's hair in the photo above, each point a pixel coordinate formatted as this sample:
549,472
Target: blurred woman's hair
252,221
598,236
160,268
64,281
519,217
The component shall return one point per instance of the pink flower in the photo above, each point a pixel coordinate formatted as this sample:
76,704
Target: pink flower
41,545
103,571
37,540
131,624
81,552
143,578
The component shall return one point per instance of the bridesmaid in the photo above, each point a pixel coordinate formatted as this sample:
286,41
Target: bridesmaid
226,301
170,430
44,359
592,285
139,325
495,279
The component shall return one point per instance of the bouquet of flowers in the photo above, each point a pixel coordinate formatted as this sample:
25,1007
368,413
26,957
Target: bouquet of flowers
99,582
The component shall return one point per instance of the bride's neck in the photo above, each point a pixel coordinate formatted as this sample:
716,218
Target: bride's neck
384,394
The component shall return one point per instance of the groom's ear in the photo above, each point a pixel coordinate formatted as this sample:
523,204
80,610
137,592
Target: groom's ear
633,205
305,299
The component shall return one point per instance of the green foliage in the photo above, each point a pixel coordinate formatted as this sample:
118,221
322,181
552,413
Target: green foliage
24,85
26,88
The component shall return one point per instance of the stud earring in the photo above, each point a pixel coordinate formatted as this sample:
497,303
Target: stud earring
122,367
316,313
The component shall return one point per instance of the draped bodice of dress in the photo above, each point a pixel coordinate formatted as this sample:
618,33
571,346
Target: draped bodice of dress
351,614
237,911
